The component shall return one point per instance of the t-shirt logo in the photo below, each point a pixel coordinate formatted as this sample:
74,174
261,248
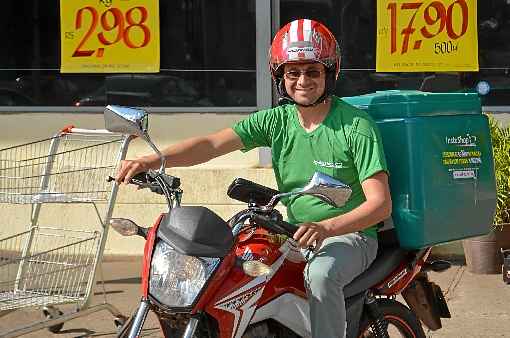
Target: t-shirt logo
336,165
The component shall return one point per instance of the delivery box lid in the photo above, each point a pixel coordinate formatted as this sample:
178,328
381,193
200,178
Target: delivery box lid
391,104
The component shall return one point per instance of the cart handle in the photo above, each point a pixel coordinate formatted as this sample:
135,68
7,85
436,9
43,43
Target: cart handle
71,129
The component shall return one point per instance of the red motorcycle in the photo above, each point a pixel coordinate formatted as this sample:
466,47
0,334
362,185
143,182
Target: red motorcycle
205,277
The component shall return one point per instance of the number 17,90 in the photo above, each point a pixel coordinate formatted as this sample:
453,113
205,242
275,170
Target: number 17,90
437,18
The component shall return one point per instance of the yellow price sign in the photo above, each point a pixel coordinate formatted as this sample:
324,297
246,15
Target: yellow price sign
426,36
109,36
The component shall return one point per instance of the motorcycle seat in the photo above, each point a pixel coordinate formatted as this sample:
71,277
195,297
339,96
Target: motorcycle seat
387,260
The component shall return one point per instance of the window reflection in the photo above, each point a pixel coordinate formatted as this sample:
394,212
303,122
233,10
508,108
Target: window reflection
168,89
354,25
208,56
207,59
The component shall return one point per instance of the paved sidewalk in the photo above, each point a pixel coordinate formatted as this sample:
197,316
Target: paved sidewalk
480,305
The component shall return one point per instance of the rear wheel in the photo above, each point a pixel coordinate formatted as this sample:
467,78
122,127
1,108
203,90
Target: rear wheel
401,321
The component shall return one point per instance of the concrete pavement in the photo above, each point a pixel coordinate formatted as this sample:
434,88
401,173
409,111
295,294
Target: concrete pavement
479,304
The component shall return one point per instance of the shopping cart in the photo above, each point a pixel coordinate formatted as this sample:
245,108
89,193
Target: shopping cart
45,266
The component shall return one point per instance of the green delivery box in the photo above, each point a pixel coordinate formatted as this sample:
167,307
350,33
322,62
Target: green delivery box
439,154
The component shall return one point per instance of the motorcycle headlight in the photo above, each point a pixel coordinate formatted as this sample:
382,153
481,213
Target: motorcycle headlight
176,279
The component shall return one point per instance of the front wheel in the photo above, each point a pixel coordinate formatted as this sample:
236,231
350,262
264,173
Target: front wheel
175,325
402,322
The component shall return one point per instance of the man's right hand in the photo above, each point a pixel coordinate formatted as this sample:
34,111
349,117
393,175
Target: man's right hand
129,168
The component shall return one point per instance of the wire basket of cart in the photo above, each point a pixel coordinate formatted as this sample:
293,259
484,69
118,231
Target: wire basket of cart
47,265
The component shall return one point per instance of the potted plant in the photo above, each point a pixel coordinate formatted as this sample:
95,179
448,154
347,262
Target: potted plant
483,253
501,149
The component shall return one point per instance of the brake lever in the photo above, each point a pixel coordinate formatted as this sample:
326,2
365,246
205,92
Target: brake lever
148,180
141,184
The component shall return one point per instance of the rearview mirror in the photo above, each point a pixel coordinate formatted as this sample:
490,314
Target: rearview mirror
322,186
125,120
130,121
328,189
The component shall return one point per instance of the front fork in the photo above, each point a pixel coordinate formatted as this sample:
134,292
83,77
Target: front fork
191,327
135,325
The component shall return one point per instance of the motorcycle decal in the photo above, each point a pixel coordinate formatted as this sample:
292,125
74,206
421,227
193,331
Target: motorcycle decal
403,276
242,307
247,255
242,302
398,277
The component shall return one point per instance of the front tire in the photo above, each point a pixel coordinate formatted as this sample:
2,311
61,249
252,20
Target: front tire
402,322
175,326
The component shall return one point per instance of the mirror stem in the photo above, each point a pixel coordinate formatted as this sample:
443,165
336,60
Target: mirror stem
275,199
156,150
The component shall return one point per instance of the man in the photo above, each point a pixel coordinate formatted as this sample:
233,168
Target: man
315,131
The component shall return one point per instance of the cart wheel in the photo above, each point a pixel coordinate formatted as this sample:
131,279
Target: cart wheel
119,321
51,313
123,330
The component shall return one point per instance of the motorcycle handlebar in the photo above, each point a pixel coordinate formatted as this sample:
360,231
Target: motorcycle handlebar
277,226
138,180
145,180
149,180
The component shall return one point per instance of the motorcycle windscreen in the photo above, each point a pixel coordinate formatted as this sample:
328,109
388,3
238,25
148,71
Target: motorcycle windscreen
196,231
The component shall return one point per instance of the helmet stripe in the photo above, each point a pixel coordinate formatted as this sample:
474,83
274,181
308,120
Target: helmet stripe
307,29
300,30
293,31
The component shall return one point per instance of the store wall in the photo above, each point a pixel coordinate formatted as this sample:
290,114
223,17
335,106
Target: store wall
203,185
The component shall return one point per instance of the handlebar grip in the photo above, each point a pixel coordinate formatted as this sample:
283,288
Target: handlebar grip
277,226
138,179
150,180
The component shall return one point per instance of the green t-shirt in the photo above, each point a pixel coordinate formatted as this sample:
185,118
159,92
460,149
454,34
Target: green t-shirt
346,145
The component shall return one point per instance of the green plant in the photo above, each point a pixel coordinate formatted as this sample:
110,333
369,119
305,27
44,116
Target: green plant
501,149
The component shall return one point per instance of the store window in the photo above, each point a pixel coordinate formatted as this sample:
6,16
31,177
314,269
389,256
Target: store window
354,25
207,59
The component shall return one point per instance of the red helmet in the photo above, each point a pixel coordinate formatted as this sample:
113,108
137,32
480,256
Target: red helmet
304,40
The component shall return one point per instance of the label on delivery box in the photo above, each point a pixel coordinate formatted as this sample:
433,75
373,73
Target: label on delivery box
463,158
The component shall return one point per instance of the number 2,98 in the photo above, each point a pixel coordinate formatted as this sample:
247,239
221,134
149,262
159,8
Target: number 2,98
112,20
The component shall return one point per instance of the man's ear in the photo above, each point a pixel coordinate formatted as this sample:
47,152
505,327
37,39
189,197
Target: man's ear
281,87
339,63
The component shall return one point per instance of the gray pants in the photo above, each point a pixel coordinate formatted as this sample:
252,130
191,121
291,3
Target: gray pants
339,260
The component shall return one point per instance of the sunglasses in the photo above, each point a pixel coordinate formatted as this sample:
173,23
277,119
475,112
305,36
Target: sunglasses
295,74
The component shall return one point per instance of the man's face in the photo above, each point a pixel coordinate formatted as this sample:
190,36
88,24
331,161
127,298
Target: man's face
304,82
